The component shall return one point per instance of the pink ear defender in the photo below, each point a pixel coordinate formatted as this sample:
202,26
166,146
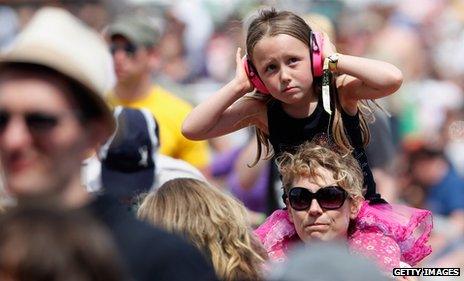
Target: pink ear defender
318,58
253,76
316,44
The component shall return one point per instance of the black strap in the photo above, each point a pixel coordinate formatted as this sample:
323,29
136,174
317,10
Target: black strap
376,199
271,199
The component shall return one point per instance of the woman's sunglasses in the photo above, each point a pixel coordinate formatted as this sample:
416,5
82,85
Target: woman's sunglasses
330,197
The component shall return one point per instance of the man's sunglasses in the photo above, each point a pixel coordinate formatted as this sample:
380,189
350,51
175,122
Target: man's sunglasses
128,48
330,197
36,122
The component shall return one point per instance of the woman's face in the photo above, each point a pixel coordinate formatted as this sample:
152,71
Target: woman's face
319,223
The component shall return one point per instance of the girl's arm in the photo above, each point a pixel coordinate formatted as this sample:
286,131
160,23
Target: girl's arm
362,78
365,79
226,111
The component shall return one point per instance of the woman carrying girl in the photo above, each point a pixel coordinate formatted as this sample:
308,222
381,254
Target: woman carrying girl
293,102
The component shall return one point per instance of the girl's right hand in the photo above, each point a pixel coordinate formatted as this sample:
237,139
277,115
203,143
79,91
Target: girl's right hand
241,78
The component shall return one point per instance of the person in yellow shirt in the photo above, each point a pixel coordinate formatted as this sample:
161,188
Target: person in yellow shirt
133,44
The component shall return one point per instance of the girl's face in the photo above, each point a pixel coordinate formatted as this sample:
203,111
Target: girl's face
284,65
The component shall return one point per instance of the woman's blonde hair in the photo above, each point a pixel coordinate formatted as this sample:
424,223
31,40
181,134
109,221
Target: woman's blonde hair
215,222
268,23
310,158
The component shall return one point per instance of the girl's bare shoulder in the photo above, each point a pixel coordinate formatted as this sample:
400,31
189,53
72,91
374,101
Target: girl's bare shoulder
254,110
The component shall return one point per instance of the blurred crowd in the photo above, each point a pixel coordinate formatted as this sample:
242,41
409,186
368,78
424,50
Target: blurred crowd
417,146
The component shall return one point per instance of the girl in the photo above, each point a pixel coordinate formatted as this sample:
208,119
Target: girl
284,59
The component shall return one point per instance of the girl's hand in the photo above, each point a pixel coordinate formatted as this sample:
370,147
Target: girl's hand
241,77
329,48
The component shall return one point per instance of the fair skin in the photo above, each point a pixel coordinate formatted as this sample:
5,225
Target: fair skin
317,223
283,64
133,71
43,163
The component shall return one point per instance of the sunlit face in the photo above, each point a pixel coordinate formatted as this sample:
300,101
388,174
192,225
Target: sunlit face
130,61
284,65
42,141
316,222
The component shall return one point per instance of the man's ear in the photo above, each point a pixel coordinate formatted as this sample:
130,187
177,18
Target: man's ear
355,206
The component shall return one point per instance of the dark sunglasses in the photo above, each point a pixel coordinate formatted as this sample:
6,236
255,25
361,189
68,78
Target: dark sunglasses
36,122
330,197
129,48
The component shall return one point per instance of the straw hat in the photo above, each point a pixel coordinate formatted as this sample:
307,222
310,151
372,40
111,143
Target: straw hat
56,39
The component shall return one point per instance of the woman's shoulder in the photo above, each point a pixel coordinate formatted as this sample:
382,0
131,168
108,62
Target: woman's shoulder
276,234
374,244
399,225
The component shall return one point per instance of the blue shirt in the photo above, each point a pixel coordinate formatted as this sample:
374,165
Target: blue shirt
446,196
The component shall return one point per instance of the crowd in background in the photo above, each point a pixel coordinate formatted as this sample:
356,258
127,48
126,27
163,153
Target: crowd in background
417,148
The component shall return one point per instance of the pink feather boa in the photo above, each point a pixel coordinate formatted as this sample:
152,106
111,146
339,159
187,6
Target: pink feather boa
388,234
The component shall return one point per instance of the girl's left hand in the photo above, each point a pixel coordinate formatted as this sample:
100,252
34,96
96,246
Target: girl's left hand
329,48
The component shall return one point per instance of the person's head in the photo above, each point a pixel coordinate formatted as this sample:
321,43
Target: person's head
128,157
215,222
277,43
323,191
133,41
52,111
288,57
44,243
428,165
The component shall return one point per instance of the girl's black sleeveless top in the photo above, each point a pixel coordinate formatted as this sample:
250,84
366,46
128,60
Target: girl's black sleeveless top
286,133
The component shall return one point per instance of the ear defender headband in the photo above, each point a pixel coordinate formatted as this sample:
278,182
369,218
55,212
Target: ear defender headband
317,58
253,76
316,41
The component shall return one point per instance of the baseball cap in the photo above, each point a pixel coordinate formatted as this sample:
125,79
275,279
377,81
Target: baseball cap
59,41
128,158
138,29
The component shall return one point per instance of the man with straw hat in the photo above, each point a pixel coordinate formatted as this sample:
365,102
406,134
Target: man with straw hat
52,113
